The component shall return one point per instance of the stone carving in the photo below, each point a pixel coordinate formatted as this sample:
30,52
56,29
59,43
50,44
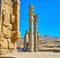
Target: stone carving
9,19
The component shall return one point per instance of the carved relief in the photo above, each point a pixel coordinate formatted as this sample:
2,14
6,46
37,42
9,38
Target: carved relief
8,25
12,18
6,32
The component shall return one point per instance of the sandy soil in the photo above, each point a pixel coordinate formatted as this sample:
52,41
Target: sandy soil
34,55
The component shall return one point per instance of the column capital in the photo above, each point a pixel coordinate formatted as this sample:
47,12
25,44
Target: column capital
31,6
35,17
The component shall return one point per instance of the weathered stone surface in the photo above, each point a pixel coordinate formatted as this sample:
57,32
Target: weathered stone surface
0,6
12,17
5,31
5,44
31,38
9,19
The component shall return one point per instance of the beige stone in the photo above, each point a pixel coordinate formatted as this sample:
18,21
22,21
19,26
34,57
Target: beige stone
9,20
31,38
5,31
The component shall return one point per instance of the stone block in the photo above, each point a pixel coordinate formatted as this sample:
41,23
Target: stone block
6,32
5,44
3,51
12,18
11,45
18,35
6,22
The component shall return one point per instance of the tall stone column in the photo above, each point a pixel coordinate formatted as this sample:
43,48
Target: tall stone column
31,19
35,34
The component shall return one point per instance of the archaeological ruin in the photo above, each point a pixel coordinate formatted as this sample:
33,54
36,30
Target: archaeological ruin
31,37
9,23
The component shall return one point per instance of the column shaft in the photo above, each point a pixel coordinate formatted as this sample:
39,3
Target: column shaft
31,37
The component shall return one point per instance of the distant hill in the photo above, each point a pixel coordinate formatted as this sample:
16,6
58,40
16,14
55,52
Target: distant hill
47,37
44,38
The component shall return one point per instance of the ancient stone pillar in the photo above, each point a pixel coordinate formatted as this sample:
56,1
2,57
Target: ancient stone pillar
35,34
31,39
38,40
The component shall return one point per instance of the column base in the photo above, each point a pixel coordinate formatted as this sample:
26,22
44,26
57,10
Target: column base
35,50
31,50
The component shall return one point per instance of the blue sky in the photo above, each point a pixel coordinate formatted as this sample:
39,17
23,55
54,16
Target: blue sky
48,16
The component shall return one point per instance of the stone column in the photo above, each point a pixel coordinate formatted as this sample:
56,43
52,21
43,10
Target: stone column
35,34
38,40
31,39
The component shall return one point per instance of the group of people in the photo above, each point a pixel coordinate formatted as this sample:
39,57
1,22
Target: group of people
19,49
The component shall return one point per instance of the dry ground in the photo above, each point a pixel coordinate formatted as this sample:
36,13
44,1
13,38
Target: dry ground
34,55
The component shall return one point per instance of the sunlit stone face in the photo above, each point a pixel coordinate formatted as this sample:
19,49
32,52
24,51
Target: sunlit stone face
9,34
32,17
